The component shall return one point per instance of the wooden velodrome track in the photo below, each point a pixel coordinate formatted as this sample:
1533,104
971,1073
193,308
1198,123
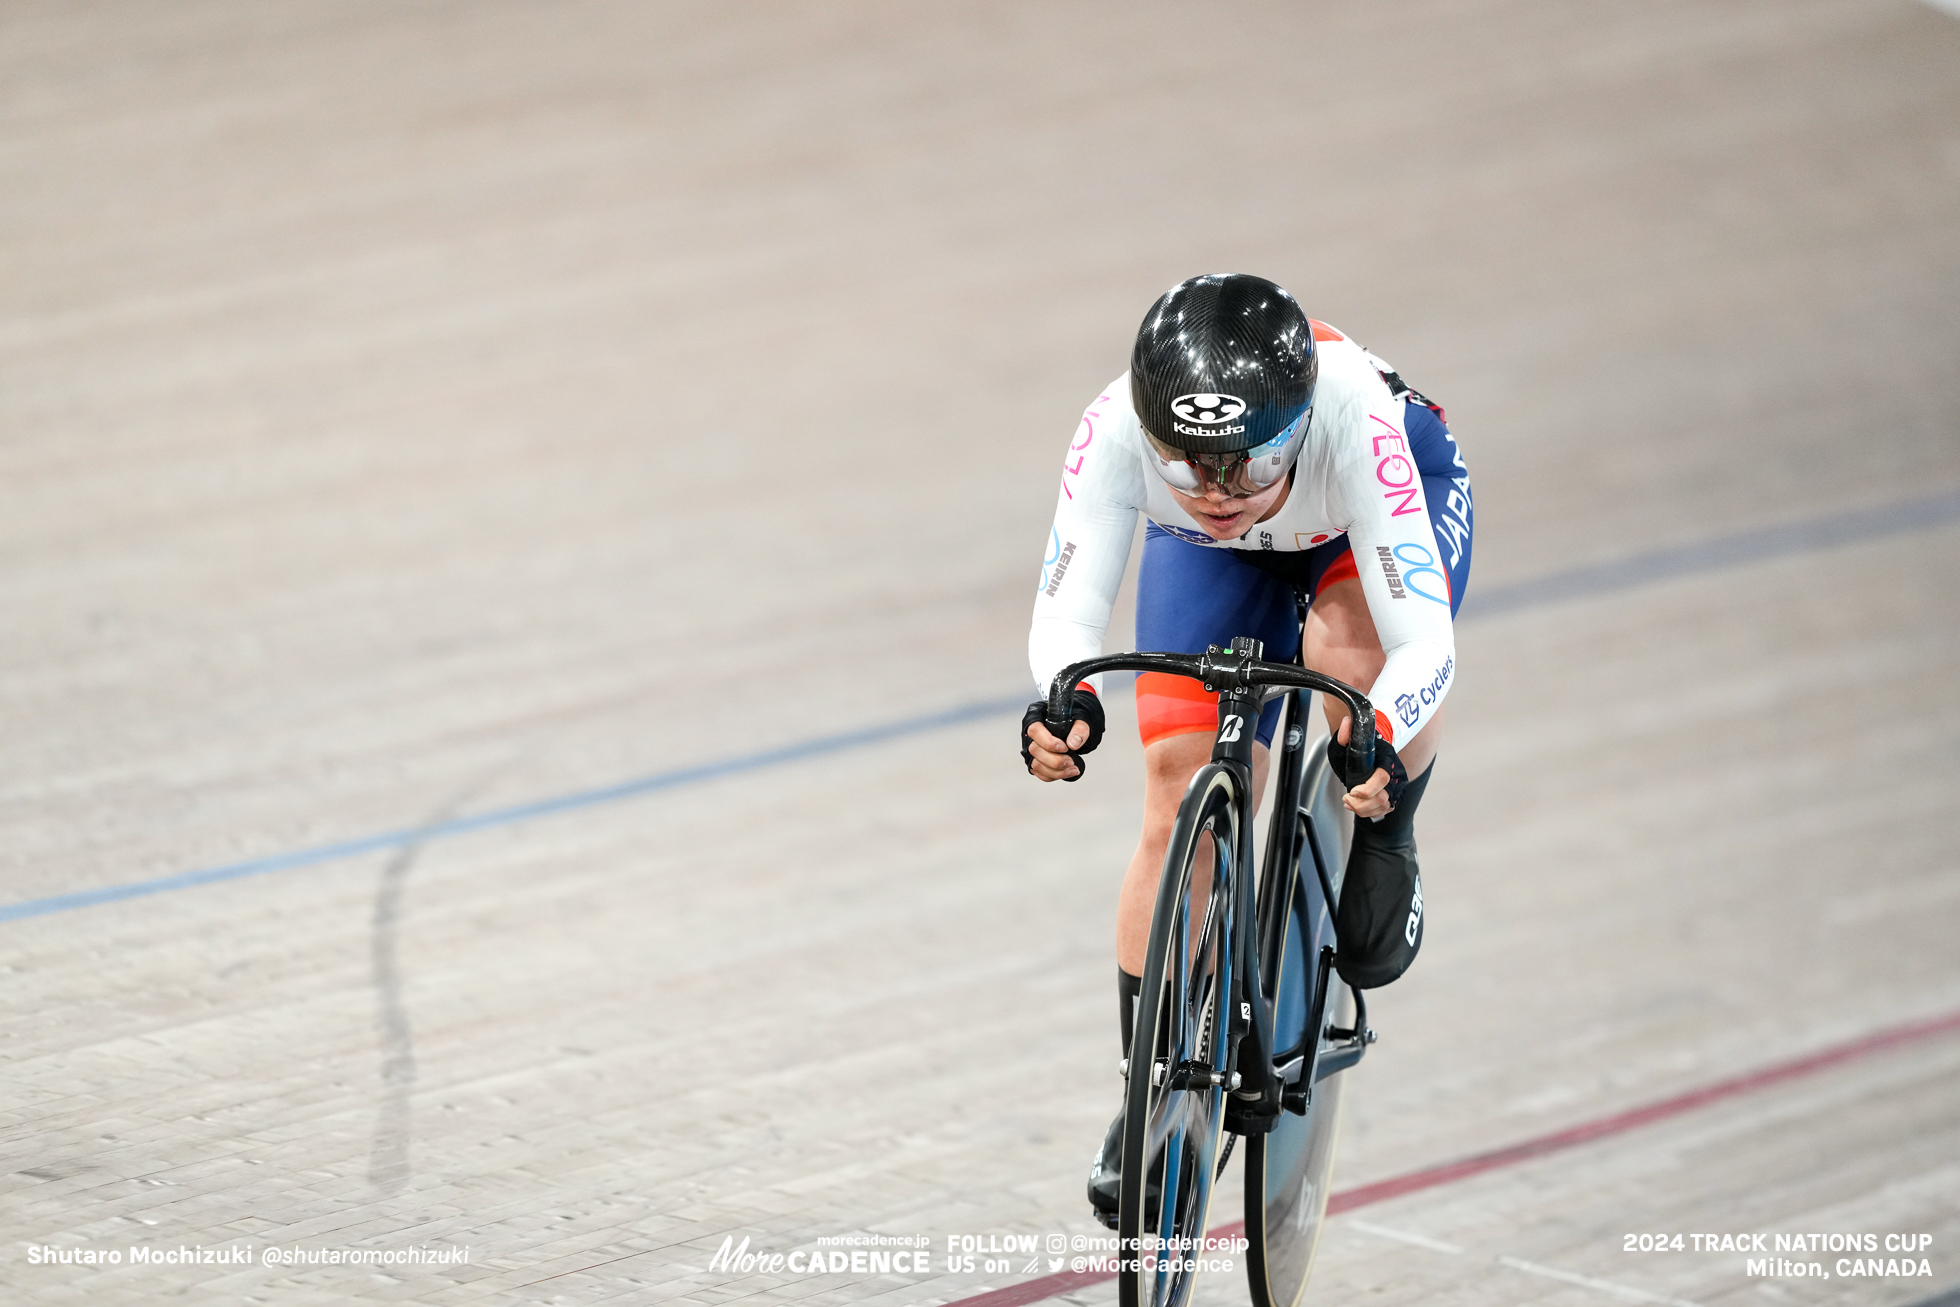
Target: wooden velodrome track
423,413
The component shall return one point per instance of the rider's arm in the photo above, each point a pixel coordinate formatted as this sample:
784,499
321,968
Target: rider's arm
1089,544
1088,547
1407,586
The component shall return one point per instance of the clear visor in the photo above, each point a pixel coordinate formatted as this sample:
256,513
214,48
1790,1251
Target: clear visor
1240,475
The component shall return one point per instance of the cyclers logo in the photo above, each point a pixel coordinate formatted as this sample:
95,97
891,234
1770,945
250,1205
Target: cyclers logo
1213,411
1230,734
1434,690
1406,705
1415,914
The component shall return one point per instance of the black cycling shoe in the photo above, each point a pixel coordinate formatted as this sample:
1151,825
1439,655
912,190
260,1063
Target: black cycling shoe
1379,921
1106,1175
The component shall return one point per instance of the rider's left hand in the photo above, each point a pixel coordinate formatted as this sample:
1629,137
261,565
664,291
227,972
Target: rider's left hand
1370,798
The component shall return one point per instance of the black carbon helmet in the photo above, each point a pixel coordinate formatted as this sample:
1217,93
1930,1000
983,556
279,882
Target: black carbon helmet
1223,363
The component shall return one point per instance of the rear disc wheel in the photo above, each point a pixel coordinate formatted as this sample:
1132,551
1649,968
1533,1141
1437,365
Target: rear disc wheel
1288,1171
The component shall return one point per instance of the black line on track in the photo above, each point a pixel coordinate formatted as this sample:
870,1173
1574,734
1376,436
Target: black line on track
388,1167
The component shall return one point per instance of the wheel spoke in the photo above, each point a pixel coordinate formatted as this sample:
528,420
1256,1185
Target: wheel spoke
1164,1120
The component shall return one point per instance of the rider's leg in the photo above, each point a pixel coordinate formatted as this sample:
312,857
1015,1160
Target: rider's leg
1168,765
1189,597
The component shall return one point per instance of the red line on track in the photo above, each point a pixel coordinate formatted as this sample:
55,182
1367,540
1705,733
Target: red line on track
1049,1286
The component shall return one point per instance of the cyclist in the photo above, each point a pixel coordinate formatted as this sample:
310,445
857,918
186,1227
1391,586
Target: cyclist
1272,457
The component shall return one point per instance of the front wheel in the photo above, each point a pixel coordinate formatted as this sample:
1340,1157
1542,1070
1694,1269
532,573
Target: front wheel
1174,1107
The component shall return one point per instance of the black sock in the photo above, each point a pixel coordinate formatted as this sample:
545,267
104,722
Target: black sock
1129,989
1398,827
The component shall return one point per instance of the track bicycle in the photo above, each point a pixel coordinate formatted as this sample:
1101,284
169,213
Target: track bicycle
1240,1027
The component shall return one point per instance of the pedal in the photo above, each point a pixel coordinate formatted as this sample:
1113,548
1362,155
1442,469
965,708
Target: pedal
1346,1035
1250,1118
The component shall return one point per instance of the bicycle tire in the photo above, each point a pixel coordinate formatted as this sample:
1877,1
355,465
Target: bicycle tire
1172,1123
1288,1170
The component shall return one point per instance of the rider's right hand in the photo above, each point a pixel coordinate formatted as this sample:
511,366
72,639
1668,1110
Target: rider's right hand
1050,759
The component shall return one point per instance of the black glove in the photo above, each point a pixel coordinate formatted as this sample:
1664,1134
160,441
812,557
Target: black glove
1087,708
1385,758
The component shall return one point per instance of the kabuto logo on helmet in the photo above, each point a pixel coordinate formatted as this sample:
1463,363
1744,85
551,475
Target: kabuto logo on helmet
1209,410
1222,329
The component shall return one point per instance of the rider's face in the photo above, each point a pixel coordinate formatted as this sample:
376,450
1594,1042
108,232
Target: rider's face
1224,517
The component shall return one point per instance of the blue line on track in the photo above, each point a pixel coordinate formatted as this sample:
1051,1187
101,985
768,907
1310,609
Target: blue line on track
394,839
1714,555
1581,582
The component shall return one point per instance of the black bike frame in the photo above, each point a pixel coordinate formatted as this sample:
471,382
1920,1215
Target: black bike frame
1283,874
1241,680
